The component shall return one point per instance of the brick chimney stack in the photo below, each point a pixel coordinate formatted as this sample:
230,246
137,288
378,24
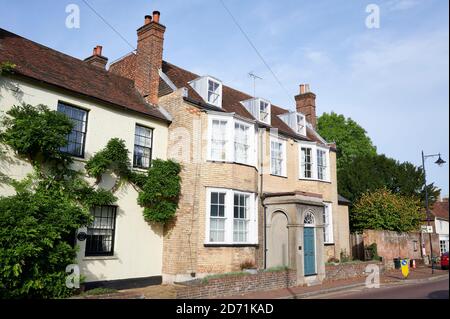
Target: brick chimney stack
149,57
306,104
97,59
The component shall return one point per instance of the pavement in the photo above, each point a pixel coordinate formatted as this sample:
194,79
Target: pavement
329,289
437,288
391,278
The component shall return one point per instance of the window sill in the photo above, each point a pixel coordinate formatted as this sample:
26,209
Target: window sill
228,162
93,258
314,180
280,176
230,245
329,244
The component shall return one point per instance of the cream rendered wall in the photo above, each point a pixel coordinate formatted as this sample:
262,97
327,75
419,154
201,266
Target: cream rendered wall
138,246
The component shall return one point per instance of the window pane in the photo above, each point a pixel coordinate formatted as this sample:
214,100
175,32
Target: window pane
240,222
76,138
100,234
142,147
218,140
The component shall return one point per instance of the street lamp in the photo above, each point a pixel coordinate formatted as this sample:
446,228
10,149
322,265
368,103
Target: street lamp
439,162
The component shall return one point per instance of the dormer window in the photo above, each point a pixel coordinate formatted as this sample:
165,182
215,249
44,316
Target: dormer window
209,88
259,108
264,111
296,121
213,92
301,124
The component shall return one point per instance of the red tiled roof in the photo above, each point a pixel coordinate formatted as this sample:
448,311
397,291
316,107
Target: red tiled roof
231,100
52,67
440,210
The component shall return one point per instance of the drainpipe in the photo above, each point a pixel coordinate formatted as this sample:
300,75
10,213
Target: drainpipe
261,194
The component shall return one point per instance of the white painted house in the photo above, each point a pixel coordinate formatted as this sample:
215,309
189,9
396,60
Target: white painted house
120,244
440,214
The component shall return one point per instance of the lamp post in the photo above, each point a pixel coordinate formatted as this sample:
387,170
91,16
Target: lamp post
439,162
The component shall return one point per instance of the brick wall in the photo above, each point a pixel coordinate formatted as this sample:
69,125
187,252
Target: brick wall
349,270
392,245
235,285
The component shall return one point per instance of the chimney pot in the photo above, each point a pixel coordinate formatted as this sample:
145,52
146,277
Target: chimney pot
302,89
156,15
148,19
98,50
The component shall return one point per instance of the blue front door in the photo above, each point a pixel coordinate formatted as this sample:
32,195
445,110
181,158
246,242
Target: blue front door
309,251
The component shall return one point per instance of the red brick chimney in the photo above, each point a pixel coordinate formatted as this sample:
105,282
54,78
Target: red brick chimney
306,104
149,57
96,59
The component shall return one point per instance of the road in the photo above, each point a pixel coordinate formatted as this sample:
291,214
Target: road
437,289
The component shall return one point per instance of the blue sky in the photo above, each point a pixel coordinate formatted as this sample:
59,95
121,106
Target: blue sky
393,80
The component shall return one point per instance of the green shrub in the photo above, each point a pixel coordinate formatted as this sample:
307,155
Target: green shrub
161,191
35,231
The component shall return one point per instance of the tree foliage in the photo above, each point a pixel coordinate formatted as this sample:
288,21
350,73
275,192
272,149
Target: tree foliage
36,133
161,191
36,227
351,139
38,223
383,210
369,173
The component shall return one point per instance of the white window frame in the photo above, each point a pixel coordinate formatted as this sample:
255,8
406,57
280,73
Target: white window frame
328,224
314,162
302,122
218,92
260,111
252,236
230,134
283,149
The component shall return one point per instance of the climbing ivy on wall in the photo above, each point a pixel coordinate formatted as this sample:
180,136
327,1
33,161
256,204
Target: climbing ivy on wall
39,221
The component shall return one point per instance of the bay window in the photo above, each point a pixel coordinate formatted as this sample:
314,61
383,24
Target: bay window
306,162
219,140
277,157
241,142
321,164
231,140
231,217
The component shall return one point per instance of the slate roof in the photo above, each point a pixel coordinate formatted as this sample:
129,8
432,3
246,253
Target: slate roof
44,64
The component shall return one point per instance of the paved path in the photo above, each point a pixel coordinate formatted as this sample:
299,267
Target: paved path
435,289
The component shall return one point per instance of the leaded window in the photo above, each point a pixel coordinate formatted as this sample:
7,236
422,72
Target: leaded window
77,137
309,219
142,147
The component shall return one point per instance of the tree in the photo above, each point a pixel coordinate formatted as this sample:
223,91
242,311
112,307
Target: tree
351,139
38,223
367,173
383,210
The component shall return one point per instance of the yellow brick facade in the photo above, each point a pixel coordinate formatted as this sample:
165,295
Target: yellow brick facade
185,252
